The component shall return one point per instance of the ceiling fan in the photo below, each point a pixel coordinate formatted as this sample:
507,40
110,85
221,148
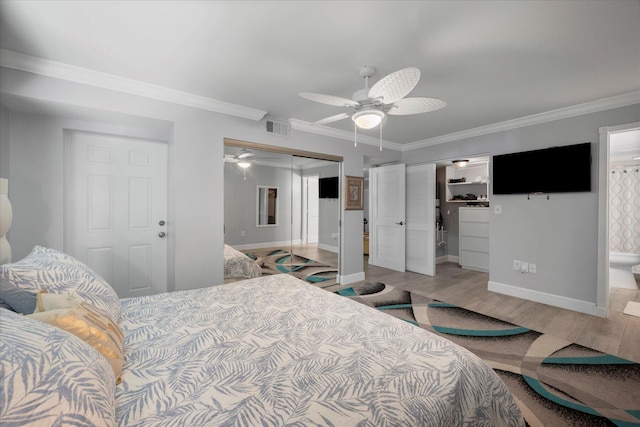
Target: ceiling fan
243,158
371,106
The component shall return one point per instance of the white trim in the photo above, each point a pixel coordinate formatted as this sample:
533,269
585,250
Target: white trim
617,101
602,301
447,258
59,70
341,134
549,299
282,244
333,249
351,278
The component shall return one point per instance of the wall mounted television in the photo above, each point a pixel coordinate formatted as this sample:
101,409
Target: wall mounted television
328,188
565,169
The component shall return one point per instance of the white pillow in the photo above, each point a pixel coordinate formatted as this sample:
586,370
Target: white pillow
57,272
51,377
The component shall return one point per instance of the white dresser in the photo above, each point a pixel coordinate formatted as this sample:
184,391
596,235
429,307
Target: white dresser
474,238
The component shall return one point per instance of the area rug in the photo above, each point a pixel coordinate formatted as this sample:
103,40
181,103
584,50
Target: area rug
555,382
278,261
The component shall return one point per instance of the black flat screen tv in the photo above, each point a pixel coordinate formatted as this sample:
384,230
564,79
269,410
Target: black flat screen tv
565,169
328,188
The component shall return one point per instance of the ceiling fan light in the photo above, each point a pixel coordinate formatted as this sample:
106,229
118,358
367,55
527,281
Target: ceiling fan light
460,163
368,119
244,165
244,154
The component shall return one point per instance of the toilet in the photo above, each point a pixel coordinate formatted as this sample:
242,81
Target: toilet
620,274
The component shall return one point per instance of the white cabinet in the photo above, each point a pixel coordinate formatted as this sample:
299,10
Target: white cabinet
469,184
474,238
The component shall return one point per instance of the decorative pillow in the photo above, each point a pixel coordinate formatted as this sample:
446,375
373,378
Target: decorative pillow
87,322
50,377
57,272
46,301
16,299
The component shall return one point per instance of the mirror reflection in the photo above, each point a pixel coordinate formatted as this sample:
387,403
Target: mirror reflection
275,215
267,206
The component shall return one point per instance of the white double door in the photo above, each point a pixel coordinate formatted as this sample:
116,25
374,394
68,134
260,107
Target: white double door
116,209
402,225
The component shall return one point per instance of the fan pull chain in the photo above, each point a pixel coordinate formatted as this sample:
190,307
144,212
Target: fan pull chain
355,134
381,137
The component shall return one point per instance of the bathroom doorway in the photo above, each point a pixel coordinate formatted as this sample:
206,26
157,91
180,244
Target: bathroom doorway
618,180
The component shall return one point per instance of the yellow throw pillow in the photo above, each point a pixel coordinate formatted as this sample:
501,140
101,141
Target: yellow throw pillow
92,325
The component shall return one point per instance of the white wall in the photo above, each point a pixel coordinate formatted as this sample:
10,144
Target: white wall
196,177
4,143
559,235
240,206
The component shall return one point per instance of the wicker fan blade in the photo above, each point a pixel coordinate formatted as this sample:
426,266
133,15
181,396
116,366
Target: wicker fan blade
329,99
409,106
331,119
395,86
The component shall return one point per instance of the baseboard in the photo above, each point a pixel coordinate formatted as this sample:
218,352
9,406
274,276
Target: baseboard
549,299
447,258
333,249
283,244
351,278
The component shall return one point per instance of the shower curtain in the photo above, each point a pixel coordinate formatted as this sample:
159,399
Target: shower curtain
624,210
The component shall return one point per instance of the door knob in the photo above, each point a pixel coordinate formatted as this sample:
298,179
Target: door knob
161,234
400,223
162,223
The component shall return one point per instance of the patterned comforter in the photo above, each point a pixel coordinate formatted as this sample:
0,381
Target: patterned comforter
276,351
239,265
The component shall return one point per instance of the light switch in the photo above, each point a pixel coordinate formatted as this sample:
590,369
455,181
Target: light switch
497,209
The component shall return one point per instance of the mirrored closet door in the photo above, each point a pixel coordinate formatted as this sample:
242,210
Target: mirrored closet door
280,213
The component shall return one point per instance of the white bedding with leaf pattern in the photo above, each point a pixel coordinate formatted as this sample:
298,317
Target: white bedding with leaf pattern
239,265
277,351
270,351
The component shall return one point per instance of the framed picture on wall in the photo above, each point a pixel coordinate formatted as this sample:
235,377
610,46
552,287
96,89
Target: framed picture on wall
353,193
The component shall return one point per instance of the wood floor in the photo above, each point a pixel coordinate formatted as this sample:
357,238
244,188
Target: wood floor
619,334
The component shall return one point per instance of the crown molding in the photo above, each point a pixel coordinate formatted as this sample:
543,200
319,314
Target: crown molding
45,67
341,134
617,101
59,70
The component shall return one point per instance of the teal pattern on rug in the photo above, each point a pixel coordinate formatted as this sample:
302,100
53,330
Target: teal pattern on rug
575,358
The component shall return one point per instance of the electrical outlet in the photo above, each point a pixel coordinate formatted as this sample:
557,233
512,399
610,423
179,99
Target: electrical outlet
532,268
516,265
524,267
242,233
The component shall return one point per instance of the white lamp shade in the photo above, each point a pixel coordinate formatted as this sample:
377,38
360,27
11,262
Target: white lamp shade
368,119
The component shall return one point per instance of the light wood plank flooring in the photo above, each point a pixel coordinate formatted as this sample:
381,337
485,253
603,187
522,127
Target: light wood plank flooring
619,334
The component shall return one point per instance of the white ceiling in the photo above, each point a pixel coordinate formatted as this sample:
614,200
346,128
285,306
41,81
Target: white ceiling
492,61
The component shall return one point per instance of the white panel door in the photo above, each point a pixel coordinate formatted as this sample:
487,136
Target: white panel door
387,211
116,209
421,218
311,209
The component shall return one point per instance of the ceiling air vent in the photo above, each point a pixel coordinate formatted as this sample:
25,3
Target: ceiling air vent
277,128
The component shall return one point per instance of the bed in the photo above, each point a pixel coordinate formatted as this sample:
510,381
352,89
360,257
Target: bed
239,266
269,351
